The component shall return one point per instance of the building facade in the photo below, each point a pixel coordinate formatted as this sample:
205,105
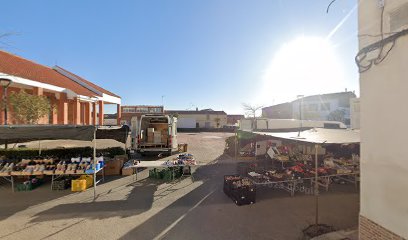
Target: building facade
332,106
384,86
76,101
199,119
233,119
279,111
129,112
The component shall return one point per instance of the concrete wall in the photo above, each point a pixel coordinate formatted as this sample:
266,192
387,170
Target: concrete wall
186,122
384,131
355,113
205,120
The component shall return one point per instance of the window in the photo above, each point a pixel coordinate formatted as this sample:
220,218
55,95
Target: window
325,106
142,109
155,110
128,110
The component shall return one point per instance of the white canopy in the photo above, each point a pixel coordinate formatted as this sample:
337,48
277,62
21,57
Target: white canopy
319,135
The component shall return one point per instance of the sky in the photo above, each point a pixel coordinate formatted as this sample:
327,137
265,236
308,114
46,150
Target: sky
189,54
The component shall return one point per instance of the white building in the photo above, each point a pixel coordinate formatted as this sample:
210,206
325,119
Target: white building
323,107
384,119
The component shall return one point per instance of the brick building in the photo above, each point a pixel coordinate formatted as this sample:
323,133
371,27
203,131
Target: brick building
76,100
128,112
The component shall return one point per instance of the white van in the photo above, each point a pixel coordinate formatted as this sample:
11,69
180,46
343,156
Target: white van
156,133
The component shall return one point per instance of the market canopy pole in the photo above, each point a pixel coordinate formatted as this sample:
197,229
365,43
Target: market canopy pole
316,186
94,164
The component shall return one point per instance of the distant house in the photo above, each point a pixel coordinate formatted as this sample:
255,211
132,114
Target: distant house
279,111
233,119
206,118
332,106
77,101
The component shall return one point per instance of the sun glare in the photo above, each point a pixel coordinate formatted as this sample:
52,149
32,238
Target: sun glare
304,66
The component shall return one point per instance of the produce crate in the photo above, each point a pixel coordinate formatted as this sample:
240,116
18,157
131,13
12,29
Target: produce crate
241,195
228,179
28,185
61,185
78,185
88,179
244,195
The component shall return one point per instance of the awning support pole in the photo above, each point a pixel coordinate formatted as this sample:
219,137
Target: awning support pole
94,164
316,187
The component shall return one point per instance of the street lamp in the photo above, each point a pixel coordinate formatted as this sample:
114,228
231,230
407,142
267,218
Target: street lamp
300,112
5,83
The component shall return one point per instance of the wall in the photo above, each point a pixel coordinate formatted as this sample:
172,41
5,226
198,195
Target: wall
202,119
186,122
355,113
384,114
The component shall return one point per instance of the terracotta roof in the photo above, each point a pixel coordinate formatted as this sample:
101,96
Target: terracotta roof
91,84
20,67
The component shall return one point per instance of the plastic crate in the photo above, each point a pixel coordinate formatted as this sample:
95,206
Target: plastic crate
28,185
88,179
78,185
61,185
228,180
22,187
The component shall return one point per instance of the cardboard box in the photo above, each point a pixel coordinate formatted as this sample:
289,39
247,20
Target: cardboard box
157,137
127,171
150,130
113,167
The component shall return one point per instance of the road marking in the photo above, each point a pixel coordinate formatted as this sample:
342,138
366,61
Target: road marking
165,231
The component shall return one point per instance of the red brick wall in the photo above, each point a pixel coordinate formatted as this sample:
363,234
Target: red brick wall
370,230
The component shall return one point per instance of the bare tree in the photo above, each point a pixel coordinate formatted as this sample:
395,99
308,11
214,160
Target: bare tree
4,36
250,111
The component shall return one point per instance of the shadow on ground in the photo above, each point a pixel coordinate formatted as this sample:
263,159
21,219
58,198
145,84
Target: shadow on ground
207,213
134,204
12,203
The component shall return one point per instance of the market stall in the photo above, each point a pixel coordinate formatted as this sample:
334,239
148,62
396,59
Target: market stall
306,161
56,168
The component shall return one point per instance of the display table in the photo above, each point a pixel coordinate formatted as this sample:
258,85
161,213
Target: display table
10,177
293,185
161,164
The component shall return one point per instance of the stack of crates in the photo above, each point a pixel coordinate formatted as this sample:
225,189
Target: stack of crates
61,185
241,194
167,174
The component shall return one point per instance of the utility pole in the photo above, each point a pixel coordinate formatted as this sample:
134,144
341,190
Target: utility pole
300,102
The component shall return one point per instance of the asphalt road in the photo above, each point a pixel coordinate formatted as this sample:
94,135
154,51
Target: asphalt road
149,209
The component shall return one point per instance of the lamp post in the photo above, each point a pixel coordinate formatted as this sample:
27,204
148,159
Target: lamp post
5,83
300,112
